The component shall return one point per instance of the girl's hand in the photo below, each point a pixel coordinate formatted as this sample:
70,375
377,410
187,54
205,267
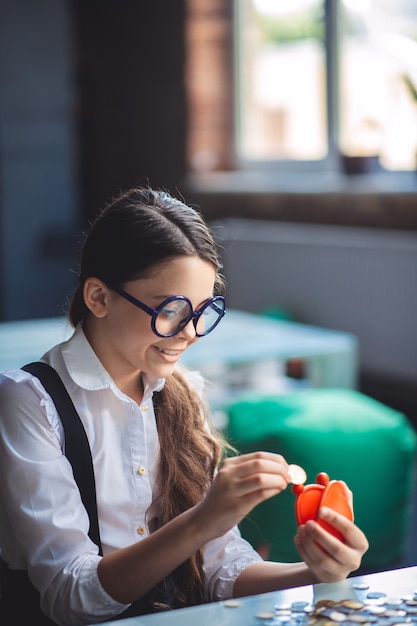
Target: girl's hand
241,483
327,557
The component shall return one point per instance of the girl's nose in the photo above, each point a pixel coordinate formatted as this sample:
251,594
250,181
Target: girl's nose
188,332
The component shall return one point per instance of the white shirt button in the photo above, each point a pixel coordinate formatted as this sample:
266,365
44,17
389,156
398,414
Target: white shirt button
141,530
141,470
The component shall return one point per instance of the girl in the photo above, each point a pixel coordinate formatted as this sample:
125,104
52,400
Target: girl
168,505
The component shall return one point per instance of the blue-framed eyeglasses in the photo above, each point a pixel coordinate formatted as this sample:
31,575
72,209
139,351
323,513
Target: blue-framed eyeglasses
174,313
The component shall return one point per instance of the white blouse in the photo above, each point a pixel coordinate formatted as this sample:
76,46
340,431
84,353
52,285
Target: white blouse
43,523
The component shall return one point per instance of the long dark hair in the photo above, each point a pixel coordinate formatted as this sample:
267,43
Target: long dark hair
137,232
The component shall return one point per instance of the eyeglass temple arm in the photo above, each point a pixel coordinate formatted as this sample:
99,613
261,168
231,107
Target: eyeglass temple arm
134,301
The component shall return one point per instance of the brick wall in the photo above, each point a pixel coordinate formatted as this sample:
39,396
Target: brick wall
209,84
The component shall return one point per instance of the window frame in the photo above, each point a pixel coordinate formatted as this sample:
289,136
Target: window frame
210,41
331,162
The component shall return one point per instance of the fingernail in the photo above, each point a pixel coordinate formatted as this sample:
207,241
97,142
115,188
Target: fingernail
324,511
310,524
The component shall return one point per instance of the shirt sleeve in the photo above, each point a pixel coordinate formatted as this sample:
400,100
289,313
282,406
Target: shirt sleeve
224,559
43,523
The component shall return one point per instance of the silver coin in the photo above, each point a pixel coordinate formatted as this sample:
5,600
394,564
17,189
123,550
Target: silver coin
299,605
395,613
265,615
377,610
358,618
297,474
375,595
393,601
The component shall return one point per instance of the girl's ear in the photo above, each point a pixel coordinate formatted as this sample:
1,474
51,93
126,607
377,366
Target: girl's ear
95,294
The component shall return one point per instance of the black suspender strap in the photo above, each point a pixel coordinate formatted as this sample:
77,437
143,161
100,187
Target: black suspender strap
77,448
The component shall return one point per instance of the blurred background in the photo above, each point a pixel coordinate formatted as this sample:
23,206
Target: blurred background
291,124
303,112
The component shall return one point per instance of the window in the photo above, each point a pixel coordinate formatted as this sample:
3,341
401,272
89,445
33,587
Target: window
378,68
312,83
318,77
281,80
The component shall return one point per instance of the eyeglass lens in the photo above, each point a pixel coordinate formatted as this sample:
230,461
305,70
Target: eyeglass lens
176,314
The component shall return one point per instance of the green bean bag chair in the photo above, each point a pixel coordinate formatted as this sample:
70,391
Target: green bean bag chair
349,436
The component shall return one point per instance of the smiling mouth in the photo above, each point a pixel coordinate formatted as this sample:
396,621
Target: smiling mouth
169,352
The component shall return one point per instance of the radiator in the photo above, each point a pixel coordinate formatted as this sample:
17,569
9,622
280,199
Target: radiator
358,280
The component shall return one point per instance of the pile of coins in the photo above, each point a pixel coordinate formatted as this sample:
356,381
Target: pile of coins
376,609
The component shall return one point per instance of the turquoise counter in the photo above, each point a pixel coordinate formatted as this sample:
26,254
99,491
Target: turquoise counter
394,585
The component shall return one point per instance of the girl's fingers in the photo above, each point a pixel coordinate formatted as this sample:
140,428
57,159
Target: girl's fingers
254,472
260,454
242,483
310,550
352,535
266,485
328,557
256,462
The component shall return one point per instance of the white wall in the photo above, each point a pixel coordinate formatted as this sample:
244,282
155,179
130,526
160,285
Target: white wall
358,280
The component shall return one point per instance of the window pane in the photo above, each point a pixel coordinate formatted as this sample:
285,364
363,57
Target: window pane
281,72
378,55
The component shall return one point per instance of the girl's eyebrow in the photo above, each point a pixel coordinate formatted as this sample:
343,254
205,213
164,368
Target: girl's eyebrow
163,297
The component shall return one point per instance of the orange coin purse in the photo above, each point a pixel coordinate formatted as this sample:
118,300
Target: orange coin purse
329,493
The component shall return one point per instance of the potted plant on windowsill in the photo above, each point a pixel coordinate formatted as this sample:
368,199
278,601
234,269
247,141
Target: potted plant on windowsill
361,153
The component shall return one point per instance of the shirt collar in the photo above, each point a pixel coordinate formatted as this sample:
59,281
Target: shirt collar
86,369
